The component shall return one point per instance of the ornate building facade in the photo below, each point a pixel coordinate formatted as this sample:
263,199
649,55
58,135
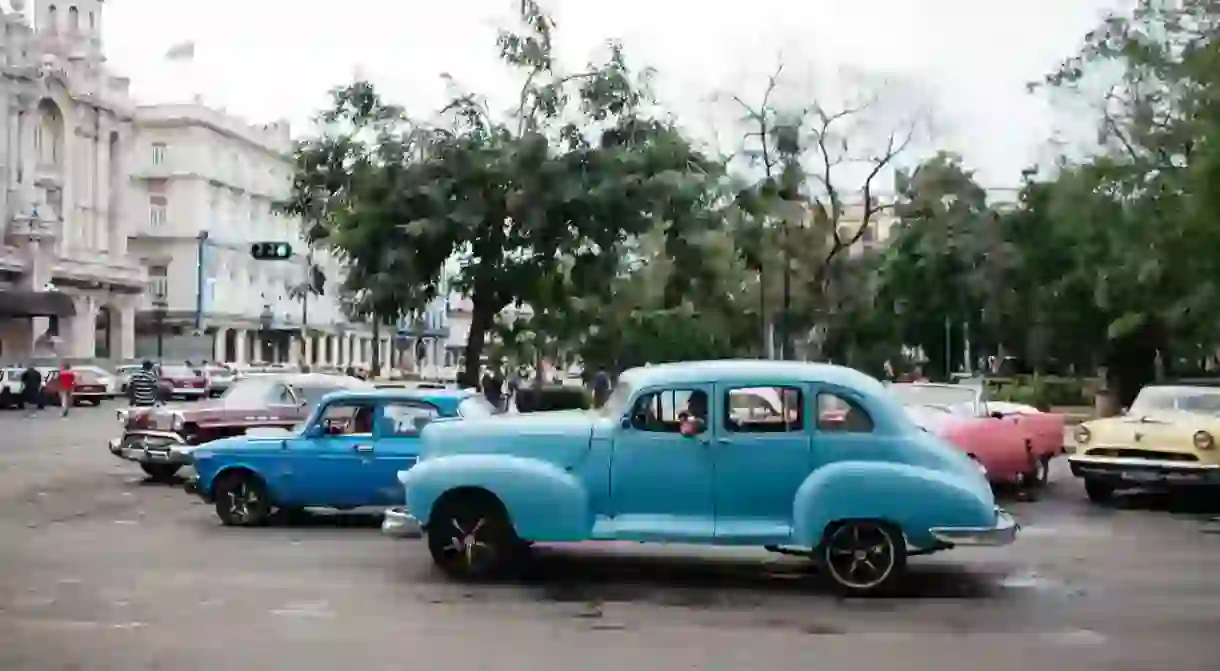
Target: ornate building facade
68,286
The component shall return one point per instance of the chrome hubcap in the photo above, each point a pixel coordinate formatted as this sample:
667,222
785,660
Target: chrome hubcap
860,556
466,545
242,499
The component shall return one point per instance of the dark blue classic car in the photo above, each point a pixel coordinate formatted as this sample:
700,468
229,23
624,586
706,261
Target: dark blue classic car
346,455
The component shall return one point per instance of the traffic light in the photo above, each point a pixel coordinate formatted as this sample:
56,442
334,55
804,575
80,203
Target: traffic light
271,251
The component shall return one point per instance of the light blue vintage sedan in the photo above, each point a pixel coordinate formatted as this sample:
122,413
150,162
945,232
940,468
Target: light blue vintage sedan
346,455
809,459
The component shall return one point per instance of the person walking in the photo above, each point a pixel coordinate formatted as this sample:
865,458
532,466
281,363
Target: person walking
67,385
492,387
142,387
31,389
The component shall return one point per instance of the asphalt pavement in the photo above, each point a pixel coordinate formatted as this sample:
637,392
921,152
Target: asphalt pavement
101,569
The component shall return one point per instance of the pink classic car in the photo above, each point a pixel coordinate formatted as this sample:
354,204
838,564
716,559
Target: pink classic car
1014,442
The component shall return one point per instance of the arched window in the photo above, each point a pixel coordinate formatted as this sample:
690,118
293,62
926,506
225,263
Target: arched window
92,21
73,19
52,19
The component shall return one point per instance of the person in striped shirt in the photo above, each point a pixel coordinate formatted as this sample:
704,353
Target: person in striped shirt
143,386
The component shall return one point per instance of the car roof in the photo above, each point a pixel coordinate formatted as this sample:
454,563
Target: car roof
752,370
312,379
404,394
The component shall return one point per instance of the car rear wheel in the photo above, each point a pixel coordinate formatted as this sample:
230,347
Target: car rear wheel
470,536
1098,491
161,472
864,557
242,501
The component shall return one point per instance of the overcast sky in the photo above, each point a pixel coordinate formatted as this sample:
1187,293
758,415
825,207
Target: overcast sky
968,59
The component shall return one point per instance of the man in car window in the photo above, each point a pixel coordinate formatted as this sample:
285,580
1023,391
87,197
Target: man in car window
362,421
694,417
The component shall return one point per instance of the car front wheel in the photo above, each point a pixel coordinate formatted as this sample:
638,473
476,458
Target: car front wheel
864,557
1097,491
470,536
242,501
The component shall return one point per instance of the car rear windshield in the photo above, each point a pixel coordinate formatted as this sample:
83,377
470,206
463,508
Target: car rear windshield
476,406
177,371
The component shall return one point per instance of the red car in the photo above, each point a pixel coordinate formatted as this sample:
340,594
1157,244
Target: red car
177,381
88,388
1013,447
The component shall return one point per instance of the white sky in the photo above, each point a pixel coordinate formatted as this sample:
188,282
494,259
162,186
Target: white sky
269,59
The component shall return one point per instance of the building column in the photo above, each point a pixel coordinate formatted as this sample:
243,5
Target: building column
218,344
240,343
343,351
125,330
82,328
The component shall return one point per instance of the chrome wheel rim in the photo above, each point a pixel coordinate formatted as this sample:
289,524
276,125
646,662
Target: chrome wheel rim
243,499
469,546
860,555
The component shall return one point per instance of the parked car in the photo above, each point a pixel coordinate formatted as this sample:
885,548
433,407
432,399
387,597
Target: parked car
219,378
104,377
1013,447
1166,440
347,455
123,375
179,381
667,459
266,401
88,388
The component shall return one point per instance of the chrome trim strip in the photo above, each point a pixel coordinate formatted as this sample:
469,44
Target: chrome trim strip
156,434
1003,533
1144,463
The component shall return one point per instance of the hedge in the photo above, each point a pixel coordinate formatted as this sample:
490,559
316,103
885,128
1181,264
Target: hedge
1043,392
552,397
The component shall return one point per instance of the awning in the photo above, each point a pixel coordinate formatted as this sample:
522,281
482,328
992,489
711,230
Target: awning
22,303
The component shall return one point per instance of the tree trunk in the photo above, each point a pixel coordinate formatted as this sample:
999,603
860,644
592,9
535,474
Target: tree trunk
376,363
481,320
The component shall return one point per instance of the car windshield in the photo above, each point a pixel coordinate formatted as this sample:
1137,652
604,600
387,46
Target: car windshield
313,393
249,392
476,406
1199,400
616,405
944,396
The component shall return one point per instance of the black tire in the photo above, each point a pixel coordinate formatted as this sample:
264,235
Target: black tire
161,472
864,557
1098,491
470,536
242,500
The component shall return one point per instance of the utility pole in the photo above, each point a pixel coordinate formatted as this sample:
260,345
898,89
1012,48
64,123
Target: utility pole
201,242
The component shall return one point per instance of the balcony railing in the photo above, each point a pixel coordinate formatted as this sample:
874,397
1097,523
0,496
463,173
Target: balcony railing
123,270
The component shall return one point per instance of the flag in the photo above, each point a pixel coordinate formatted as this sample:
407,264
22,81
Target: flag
183,51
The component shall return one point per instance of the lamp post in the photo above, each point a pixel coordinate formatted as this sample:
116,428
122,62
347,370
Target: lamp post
265,320
159,310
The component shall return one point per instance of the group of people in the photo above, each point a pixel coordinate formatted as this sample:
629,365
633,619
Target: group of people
32,392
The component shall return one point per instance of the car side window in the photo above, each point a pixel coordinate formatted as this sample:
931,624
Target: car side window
347,419
280,395
838,414
764,410
406,419
662,410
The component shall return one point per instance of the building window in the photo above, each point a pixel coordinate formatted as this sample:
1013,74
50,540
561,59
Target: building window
158,153
156,210
158,282
73,18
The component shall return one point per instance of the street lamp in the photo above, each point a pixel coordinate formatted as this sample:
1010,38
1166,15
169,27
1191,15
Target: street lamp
159,310
266,319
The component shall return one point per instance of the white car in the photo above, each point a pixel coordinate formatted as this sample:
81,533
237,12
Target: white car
11,386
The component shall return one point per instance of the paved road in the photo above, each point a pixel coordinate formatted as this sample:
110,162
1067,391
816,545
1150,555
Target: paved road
101,570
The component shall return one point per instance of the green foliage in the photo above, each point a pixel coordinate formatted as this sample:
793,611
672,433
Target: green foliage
1043,392
552,397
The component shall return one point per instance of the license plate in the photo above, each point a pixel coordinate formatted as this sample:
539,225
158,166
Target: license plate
1142,476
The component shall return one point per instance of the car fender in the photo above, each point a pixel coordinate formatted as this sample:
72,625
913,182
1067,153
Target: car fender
544,502
226,468
913,497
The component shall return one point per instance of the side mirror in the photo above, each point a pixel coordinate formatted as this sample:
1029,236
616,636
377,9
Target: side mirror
625,423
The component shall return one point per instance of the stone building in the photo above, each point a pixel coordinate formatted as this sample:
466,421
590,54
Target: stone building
68,287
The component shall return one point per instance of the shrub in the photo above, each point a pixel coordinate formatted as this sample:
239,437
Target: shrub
552,397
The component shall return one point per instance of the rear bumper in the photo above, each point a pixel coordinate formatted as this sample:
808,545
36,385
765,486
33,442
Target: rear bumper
1003,533
1143,472
398,523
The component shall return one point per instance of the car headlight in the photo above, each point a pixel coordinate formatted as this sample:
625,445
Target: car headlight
1204,440
179,422
1083,435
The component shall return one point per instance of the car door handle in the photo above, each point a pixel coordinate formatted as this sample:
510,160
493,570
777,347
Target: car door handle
363,449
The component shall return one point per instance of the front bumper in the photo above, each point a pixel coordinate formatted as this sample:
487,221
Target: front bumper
1003,533
1144,472
151,448
399,523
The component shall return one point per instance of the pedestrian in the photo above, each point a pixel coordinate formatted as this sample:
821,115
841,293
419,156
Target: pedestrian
31,388
492,388
601,387
142,387
514,383
67,385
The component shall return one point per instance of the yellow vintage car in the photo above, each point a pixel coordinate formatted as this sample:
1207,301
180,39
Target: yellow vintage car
1166,439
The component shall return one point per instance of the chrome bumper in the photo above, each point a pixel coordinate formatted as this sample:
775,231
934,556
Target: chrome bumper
399,523
1003,533
1144,471
171,454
